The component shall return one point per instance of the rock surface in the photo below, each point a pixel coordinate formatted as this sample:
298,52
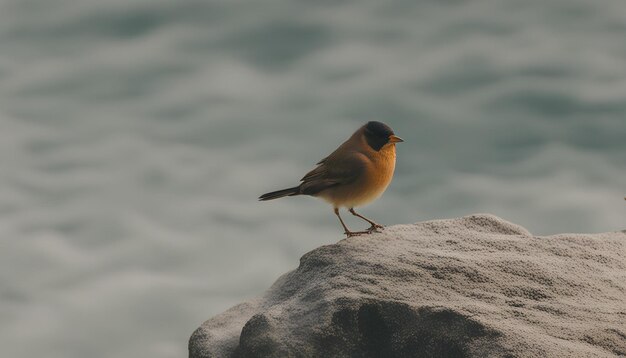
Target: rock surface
477,286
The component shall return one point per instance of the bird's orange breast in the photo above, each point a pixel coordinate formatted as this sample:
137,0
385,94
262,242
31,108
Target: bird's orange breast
379,168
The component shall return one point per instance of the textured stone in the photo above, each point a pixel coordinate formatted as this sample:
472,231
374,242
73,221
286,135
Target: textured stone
476,286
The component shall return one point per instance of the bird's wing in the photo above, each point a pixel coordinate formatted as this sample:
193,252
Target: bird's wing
333,171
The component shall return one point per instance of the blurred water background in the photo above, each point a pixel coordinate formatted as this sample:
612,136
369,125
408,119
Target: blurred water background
135,137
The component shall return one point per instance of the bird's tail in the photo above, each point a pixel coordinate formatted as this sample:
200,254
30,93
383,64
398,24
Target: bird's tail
280,193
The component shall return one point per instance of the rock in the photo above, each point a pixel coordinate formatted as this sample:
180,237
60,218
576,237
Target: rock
477,286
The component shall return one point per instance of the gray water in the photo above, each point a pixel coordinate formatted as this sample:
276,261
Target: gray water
135,137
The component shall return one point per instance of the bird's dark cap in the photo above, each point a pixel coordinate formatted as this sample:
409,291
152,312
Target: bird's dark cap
379,129
377,134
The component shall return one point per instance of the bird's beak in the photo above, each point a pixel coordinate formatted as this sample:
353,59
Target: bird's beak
395,139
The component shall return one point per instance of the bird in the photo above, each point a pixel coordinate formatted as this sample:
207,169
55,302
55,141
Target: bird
355,174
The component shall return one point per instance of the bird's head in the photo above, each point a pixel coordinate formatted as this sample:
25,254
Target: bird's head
378,134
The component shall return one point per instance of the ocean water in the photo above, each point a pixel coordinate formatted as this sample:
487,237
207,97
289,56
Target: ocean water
136,136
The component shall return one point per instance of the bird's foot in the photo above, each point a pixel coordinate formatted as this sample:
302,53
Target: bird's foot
374,228
356,233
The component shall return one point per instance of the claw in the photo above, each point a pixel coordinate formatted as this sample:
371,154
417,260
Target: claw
374,228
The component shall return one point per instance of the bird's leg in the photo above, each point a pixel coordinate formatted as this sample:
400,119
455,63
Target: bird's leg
347,231
371,228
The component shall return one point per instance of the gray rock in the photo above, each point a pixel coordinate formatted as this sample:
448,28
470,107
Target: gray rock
477,286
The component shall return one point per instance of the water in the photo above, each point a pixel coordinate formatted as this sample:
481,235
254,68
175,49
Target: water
135,137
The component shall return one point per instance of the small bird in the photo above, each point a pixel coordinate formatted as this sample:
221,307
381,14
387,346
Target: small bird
355,174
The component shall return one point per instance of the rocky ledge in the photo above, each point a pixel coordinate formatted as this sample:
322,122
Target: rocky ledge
477,286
